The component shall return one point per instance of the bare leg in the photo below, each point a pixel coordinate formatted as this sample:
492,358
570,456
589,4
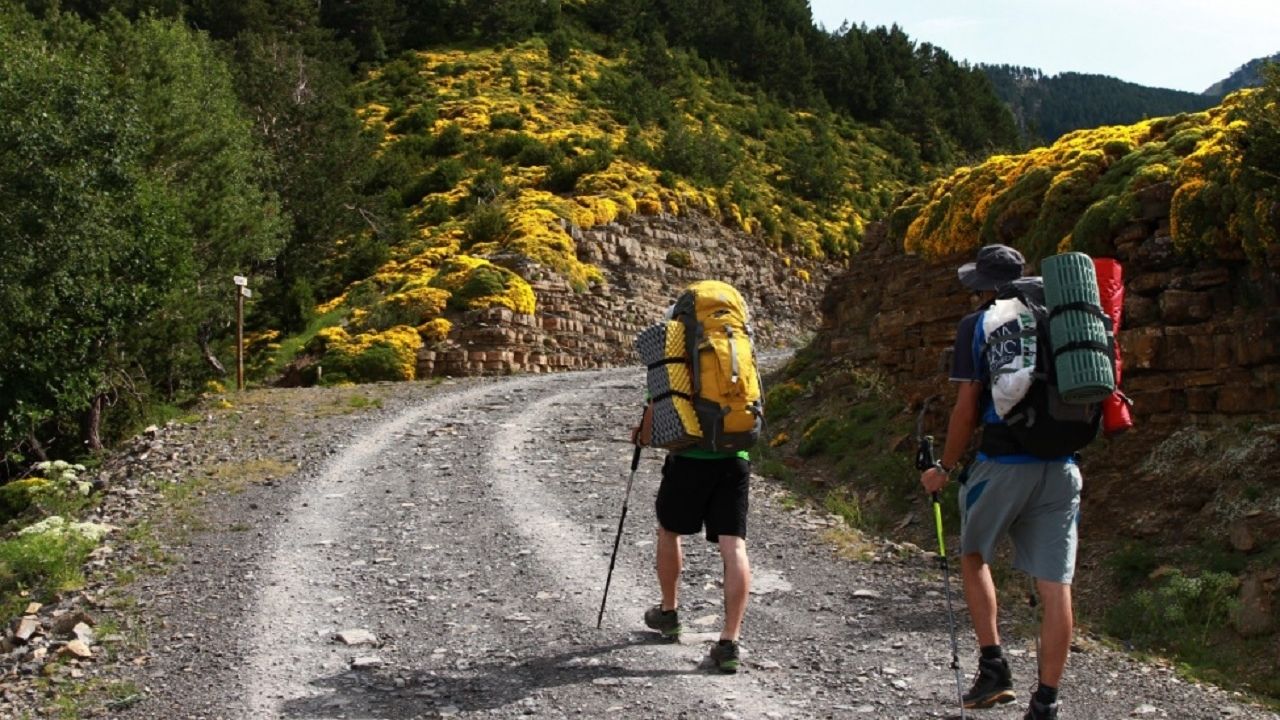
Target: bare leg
1055,630
980,595
670,562
737,584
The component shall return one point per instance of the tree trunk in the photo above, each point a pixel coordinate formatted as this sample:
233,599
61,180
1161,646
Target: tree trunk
210,359
36,448
92,423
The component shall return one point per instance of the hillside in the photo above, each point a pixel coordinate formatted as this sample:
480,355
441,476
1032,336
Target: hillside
510,157
1181,515
415,189
1047,107
1246,76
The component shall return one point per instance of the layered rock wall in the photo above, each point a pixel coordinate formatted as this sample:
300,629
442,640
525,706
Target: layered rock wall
647,261
1201,350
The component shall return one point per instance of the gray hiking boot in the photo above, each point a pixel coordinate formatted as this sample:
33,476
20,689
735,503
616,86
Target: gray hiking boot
666,622
725,655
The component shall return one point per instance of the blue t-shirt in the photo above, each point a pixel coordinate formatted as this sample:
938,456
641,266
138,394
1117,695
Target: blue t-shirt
969,364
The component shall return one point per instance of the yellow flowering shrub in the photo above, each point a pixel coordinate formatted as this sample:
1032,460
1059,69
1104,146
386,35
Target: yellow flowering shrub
475,283
1080,192
435,331
390,354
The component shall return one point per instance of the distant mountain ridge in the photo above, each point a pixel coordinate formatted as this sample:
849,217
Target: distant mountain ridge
1047,107
1247,75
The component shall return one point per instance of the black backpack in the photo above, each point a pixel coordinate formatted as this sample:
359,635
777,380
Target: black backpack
1042,424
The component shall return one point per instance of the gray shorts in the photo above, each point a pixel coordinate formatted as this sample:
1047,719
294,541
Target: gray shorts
1037,503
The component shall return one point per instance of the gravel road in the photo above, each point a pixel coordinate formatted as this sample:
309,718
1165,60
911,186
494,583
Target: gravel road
466,530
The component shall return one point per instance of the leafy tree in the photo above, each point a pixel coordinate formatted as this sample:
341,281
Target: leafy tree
200,144
93,245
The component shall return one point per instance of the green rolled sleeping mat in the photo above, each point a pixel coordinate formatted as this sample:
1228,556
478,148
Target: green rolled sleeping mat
1079,330
670,384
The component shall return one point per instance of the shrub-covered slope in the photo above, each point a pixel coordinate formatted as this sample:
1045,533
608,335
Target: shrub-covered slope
1078,193
497,154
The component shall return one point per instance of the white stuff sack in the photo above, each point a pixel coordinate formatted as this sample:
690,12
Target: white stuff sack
1010,332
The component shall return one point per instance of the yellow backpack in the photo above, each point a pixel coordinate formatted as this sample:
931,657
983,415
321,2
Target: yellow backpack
702,375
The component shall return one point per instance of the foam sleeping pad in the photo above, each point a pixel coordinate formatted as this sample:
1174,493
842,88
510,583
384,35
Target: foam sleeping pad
1085,373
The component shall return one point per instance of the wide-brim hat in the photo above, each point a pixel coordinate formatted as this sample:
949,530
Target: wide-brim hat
996,265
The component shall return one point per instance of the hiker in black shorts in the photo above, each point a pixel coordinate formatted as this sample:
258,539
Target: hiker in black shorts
1036,502
700,489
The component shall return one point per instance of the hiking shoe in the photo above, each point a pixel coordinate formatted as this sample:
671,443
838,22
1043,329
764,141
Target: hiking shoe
666,622
725,656
993,684
1039,711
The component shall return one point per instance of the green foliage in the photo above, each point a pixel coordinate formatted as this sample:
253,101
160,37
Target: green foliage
1180,613
416,121
488,223
42,564
506,121
378,363
564,173
449,141
779,399
559,47
1132,564
482,282
701,155
679,258
94,241
443,177
17,496
1048,107
813,166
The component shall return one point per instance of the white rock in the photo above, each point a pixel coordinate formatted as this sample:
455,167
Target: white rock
357,637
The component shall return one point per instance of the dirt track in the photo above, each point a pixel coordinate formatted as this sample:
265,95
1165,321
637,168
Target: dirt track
468,527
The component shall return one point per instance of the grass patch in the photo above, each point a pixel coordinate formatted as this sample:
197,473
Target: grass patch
73,700
289,348
360,402
850,543
38,566
346,405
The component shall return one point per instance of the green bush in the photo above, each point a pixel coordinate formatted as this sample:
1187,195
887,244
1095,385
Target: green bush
510,145
487,223
483,282
1179,613
449,141
16,497
43,563
779,398
679,258
441,178
419,120
379,362
506,121
563,174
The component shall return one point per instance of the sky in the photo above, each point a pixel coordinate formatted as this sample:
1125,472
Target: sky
1180,44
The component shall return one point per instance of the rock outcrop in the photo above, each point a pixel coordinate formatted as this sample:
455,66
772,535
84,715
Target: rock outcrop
646,261
1201,351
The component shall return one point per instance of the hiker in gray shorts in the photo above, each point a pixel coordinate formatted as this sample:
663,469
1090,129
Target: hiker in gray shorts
1008,491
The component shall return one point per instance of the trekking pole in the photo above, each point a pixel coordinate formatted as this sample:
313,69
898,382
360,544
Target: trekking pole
1032,600
924,461
635,463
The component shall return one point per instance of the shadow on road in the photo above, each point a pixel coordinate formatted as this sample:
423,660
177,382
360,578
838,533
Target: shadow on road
405,693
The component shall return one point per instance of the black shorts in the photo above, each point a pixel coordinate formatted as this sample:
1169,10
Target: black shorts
695,492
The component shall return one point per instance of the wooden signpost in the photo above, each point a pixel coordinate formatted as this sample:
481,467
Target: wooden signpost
242,292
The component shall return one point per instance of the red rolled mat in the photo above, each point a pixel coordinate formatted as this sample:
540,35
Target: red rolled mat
1115,409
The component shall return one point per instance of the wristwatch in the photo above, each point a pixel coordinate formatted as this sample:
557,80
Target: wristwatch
946,470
